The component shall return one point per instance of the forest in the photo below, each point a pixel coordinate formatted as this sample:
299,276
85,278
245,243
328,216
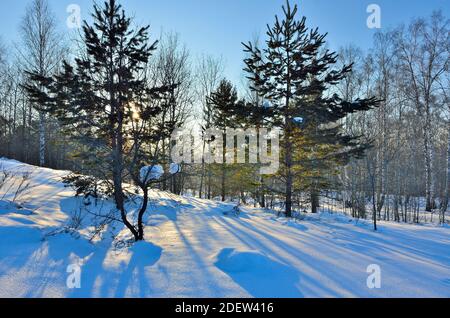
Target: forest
362,132
138,162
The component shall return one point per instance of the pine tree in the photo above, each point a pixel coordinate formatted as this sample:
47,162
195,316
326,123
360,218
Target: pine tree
105,104
295,74
223,103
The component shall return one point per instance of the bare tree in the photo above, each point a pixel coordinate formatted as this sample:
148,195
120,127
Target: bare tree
445,86
209,74
173,68
41,52
423,51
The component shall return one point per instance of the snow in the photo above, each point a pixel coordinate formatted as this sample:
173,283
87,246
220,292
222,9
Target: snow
193,250
149,173
174,168
257,272
230,260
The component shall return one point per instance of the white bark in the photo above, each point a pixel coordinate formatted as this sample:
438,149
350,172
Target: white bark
42,140
41,52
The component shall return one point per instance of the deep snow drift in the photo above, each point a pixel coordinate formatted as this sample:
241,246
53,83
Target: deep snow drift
193,250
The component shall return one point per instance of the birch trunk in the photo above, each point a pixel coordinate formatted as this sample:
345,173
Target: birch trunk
428,168
42,140
445,201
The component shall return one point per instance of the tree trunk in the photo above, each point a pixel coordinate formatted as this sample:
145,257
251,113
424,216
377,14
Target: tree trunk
445,201
41,139
209,182
223,190
288,163
314,201
116,126
118,188
140,236
428,171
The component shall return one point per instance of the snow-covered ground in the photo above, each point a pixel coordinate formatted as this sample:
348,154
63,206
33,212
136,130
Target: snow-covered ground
193,250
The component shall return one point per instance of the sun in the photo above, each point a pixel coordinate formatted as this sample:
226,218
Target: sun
134,112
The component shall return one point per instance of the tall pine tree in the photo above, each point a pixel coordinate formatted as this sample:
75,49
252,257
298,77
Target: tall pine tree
223,103
105,104
296,74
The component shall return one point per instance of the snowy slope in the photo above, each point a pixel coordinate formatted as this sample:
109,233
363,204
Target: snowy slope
194,250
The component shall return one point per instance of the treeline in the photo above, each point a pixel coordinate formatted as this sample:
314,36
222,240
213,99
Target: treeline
408,168
370,130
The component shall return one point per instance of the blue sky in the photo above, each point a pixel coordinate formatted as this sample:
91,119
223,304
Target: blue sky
218,27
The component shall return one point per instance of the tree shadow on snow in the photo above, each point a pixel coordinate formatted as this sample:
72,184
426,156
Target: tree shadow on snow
144,255
97,281
259,275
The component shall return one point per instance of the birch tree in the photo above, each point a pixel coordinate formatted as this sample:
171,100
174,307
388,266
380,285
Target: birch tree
423,51
41,52
209,74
